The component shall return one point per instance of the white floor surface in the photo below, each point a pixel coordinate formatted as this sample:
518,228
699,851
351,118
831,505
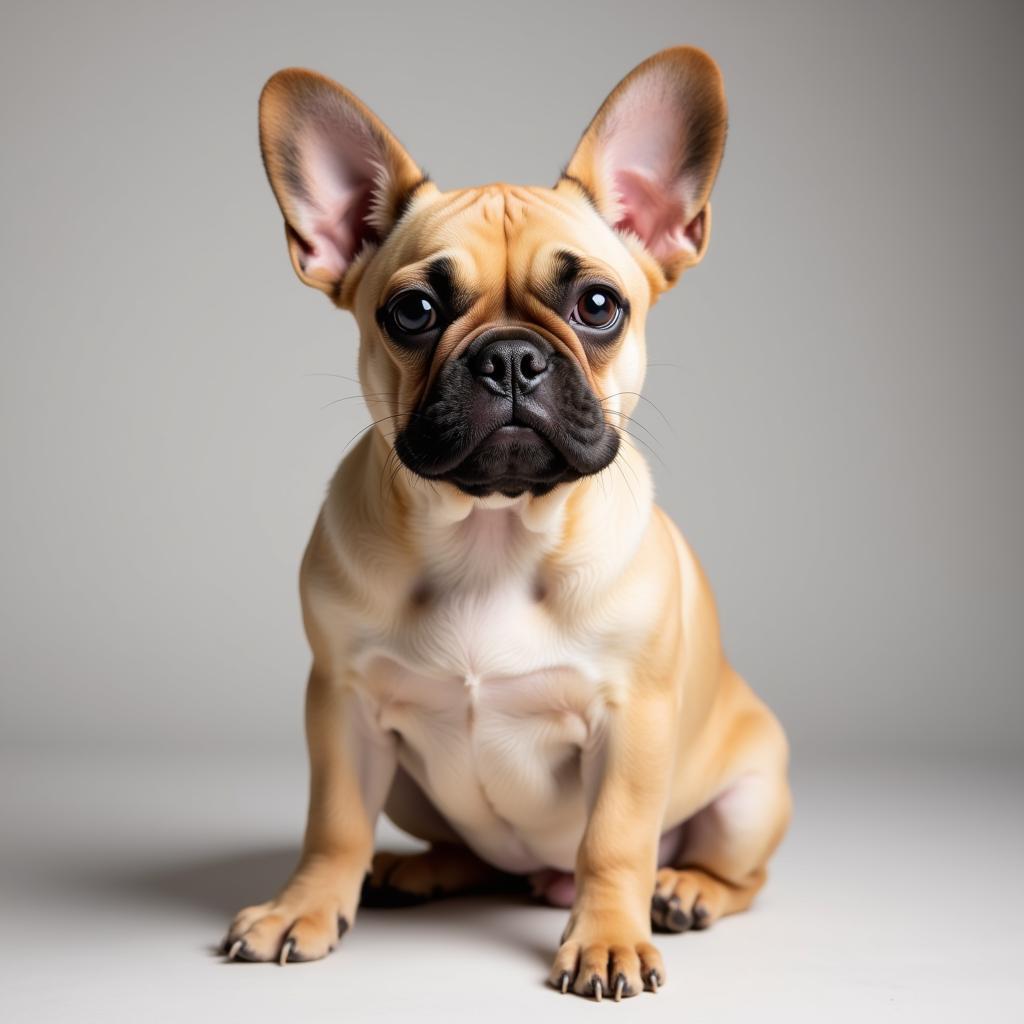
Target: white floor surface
898,895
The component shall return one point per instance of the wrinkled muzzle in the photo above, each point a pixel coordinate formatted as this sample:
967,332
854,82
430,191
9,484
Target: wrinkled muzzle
509,414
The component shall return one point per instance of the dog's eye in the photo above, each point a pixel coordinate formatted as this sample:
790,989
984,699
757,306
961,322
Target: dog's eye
413,313
596,308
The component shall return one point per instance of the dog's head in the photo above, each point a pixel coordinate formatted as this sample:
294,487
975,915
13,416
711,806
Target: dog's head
502,327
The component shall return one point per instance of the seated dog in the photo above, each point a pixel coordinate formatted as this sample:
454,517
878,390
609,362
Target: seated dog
516,655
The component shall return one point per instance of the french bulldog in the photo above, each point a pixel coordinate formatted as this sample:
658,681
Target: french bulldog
515,654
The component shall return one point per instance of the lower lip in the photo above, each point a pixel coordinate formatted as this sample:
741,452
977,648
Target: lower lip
514,433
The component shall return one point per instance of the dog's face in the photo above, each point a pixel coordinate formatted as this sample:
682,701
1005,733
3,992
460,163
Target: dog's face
502,328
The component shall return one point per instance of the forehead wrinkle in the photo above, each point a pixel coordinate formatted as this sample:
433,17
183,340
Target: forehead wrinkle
561,204
451,204
437,221
486,201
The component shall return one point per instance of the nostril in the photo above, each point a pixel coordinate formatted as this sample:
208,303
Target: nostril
490,364
533,364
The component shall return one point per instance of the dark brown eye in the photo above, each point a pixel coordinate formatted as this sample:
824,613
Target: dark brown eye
413,313
597,308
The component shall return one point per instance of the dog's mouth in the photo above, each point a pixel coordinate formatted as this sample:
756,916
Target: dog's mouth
511,459
511,415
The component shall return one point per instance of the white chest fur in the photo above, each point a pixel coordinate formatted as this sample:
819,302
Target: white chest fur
493,702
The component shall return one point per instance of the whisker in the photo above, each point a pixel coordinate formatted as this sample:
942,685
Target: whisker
374,423
637,423
396,470
643,398
336,376
635,437
385,469
629,465
352,398
618,463
414,478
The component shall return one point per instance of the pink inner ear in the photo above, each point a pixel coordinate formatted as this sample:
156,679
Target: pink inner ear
655,214
643,144
331,219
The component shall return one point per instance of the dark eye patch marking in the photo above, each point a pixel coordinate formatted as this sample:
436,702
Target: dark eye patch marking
443,278
557,291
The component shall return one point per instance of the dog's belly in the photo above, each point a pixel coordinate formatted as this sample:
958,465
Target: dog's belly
499,756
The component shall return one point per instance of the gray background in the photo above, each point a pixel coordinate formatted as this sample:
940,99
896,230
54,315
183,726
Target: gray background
842,381
844,387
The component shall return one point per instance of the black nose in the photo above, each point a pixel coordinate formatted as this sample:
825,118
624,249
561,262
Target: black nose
510,365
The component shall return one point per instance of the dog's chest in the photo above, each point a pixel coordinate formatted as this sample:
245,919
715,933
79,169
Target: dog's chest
493,703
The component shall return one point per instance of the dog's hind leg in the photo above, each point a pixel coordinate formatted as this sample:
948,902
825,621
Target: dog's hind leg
722,860
445,869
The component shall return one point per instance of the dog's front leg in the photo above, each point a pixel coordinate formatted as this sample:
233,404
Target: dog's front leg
606,947
352,763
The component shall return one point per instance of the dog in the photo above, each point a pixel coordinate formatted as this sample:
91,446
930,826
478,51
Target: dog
515,654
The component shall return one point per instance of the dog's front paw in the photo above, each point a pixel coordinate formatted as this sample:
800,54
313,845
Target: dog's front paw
296,926
606,959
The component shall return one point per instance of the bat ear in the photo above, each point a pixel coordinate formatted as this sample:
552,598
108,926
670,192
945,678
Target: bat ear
340,177
650,156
